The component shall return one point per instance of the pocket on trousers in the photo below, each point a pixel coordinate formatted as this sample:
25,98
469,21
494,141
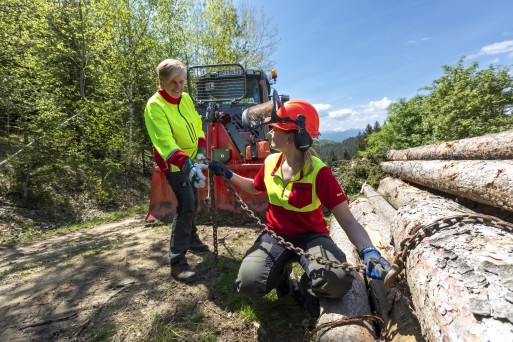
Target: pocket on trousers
300,195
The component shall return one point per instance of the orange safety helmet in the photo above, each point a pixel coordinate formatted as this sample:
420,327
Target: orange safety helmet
288,112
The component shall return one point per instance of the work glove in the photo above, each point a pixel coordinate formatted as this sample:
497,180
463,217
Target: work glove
200,155
377,266
220,169
194,171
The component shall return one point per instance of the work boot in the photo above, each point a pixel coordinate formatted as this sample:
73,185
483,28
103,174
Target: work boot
182,272
198,246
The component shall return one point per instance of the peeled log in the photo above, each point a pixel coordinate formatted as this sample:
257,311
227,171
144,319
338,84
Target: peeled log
389,304
354,303
489,182
492,146
460,277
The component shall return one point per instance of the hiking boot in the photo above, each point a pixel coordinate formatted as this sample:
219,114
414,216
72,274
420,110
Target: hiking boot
199,246
182,272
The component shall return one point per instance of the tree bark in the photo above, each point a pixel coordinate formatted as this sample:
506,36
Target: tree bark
390,304
489,182
461,276
492,146
384,209
354,303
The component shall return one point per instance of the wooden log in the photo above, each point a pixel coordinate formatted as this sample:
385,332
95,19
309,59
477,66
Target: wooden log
461,276
489,182
384,209
492,146
390,304
354,303
398,193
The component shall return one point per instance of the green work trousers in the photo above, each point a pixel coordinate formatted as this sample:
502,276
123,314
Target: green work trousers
265,262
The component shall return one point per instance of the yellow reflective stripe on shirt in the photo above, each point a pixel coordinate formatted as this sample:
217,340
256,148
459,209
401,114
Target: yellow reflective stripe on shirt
280,194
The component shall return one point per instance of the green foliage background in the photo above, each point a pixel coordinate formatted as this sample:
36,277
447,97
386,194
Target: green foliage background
75,77
464,102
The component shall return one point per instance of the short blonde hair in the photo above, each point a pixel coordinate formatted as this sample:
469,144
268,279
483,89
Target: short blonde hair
169,68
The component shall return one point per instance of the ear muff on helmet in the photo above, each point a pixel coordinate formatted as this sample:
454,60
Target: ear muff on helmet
303,141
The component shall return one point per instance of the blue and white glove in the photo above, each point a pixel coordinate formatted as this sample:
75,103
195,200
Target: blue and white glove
219,169
377,266
194,171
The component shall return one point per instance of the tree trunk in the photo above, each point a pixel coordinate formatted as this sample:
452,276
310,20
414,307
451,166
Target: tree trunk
489,182
384,209
354,303
461,276
493,146
390,304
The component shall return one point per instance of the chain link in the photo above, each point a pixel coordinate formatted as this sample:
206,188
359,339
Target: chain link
350,320
213,217
419,232
394,276
299,251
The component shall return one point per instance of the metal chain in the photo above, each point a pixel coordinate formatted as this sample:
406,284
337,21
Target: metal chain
419,232
350,320
213,218
299,251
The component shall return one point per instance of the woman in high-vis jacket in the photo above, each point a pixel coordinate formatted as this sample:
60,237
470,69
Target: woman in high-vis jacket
298,185
175,130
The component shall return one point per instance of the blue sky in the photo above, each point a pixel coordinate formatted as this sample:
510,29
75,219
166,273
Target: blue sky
351,59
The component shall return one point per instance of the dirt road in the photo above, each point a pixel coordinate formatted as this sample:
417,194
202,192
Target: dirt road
112,283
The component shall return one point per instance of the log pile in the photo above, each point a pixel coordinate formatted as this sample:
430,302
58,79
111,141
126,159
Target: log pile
491,146
479,169
457,280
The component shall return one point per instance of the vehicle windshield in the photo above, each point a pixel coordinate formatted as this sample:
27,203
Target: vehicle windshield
253,93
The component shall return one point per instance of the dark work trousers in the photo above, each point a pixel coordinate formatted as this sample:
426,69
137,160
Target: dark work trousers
265,262
183,228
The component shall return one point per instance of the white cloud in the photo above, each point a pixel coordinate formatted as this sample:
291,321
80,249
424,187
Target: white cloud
415,42
322,107
495,49
343,113
356,117
377,106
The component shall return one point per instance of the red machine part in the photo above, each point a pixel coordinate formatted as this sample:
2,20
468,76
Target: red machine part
163,200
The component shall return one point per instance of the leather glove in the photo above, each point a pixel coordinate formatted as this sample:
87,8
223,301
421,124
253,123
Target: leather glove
200,155
220,169
377,266
194,171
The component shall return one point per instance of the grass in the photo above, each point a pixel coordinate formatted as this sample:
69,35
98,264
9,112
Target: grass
274,315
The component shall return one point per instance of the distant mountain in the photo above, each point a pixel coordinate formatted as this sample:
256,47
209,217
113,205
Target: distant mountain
340,136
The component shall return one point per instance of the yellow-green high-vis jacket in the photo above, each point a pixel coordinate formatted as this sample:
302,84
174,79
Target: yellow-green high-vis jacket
173,128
